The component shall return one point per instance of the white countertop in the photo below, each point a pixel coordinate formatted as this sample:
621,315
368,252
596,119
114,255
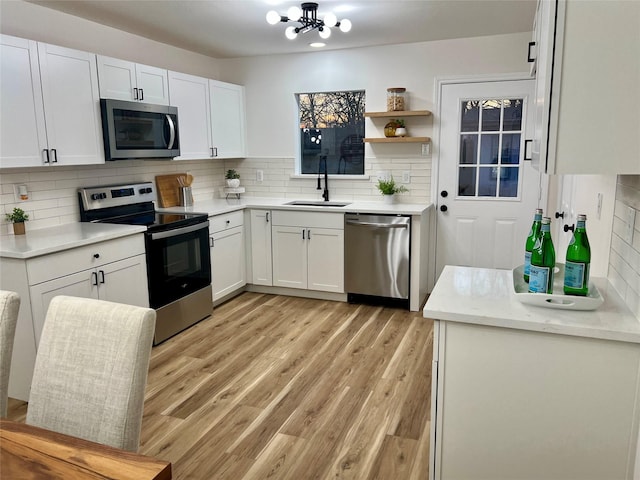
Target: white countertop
484,297
62,237
221,205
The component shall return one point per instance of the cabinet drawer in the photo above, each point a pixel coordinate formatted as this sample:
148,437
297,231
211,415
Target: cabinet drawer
225,221
308,219
56,265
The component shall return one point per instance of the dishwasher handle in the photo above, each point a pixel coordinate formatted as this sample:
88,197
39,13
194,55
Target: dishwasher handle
377,225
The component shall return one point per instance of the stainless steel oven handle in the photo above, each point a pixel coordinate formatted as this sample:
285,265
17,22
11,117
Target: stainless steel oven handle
172,132
378,225
179,231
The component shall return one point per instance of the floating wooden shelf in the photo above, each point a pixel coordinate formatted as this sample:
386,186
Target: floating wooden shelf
398,113
398,140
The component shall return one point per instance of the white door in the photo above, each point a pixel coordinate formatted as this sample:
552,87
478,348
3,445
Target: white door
153,83
261,266
117,78
227,261
227,119
124,281
325,260
289,256
487,193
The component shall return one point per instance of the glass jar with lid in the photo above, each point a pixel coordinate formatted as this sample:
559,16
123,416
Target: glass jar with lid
396,99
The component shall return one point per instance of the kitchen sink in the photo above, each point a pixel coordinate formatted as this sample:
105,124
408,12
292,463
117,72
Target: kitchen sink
312,203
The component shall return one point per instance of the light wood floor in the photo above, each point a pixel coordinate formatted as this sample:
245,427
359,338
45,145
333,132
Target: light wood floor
275,387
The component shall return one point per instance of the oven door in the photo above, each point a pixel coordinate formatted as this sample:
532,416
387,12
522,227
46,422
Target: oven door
178,262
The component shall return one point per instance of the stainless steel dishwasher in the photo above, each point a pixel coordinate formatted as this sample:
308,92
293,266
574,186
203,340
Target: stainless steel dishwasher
377,255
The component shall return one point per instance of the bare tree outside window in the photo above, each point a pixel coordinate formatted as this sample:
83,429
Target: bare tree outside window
332,126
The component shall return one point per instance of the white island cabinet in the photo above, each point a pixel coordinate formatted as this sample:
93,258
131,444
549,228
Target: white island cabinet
228,272
529,392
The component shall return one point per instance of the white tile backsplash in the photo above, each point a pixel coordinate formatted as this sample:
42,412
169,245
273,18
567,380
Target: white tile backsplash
624,260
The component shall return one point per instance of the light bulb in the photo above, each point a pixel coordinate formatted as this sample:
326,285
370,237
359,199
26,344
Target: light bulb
325,32
273,17
345,25
290,33
330,20
294,13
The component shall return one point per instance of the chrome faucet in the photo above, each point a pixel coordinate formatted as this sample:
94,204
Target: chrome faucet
322,159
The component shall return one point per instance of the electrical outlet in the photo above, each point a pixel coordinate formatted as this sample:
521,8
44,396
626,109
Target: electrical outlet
259,176
599,206
406,176
426,148
630,222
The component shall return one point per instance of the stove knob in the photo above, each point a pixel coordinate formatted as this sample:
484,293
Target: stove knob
95,196
142,190
148,190
103,196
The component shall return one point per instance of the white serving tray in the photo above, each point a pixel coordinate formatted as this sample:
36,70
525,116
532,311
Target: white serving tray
557,299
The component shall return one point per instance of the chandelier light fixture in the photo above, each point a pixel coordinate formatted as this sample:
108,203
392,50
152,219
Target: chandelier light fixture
307,17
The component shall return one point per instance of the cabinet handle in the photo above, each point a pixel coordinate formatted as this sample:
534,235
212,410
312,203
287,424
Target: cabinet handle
101,276
55,155
141,94
211,148
267,217
96,255
567,227
135,93
215,151
526,144
530,59
94,279
211,243
46,151
309,234
303,233
560,215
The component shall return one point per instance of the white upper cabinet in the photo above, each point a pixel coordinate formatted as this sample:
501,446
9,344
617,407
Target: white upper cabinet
123,80
71,105
227,119
24,138
191,95
50,110
587,87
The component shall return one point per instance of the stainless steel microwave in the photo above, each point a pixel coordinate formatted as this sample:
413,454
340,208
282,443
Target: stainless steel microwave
139,130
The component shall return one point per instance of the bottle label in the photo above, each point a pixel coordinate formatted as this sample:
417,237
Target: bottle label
574,274
527,263
539,278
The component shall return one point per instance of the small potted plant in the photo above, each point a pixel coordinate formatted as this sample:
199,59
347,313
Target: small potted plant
401,131
233,178
17,217
388,187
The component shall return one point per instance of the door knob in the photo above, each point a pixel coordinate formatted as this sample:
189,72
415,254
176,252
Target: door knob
560,215
567,227
444,194
443,208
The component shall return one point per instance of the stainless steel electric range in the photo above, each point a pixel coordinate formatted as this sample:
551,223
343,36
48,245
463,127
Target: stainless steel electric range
177,251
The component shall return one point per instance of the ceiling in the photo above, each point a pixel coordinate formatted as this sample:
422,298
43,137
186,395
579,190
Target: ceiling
237,28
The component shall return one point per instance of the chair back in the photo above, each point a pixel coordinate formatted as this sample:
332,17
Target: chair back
91,370
9,306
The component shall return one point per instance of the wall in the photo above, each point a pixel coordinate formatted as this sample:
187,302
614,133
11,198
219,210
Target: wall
624,261
271,83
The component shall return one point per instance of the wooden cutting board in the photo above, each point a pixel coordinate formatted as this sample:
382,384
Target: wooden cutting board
169,189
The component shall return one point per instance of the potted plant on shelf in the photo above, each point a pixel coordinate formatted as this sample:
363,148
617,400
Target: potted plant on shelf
233,178
401,131
388,187
17,217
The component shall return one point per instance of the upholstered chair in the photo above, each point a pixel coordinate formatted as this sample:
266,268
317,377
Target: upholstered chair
91,370
9,306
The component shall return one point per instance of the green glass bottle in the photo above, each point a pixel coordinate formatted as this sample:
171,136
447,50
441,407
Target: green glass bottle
543,261
531,241
576,269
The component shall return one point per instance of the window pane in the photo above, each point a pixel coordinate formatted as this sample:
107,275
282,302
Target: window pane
491,115
332,128
488,182
470,114
489,149
468,149
467,181
511,148
509,181
512,114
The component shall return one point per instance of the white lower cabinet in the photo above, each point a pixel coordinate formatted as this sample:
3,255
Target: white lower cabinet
308,250
261,266
521,404
114,270
228,271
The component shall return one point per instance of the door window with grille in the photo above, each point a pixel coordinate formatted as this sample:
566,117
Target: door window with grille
490,141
